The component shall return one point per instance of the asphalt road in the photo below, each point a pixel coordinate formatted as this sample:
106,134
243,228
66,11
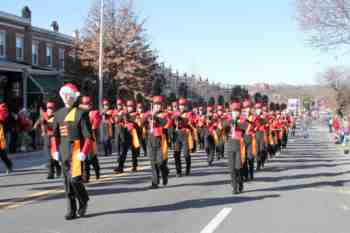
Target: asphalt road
305,189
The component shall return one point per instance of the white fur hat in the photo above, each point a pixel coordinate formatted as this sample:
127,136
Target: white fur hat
71,90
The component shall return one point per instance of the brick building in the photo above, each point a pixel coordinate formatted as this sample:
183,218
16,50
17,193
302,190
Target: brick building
32,59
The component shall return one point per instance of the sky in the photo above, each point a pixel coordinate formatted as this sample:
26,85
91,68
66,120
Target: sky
233,42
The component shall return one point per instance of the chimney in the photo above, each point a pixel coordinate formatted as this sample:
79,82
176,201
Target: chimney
55,26
26,13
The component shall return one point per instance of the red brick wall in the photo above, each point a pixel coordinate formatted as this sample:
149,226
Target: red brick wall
28,39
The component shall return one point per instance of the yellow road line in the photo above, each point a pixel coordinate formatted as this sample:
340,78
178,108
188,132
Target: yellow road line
44,194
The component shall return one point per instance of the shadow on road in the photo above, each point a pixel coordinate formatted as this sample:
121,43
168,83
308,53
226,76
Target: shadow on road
188,204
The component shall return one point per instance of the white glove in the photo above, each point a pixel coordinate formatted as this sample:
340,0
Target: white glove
81,156
56,156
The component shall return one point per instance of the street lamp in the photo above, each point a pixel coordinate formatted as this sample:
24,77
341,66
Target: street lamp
100,66
100,62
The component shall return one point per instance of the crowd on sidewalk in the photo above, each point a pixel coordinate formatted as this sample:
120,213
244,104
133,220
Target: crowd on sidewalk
339,126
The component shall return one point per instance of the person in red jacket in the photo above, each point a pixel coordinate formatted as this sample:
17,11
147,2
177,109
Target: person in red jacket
157,143
107,127
54,168
183,138
235,126
95,121
3,153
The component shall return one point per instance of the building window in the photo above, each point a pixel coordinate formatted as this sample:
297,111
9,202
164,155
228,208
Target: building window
61,58
35,53
2,43
19,48
49,51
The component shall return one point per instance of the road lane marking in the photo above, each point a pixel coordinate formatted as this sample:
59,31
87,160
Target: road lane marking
215,222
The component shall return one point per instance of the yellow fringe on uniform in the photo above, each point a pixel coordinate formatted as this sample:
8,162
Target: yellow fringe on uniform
144,132
195,133
75,162
190,141
254,149
2,138
135,139
242,150
216,138
164,147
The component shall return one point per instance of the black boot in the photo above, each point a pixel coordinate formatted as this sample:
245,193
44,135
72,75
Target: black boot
58,170
50,176
188,166
153,186
71,209
240,188
165,173
178,163
82,209
82,196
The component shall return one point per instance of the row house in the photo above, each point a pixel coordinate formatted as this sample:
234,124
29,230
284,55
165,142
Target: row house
32,59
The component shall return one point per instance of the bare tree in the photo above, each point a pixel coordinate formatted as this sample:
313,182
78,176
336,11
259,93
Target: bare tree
333,76
128,58
338,78
327,22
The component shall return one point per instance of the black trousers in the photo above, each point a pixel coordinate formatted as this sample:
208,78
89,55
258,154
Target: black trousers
220,148
181,145
5,159
159,165
91,161
143,142
53,166
74,189
209,146
261,148
234,164
107,146
284,141
201,138
125,147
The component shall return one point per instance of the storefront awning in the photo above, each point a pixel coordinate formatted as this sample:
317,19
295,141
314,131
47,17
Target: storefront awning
43,84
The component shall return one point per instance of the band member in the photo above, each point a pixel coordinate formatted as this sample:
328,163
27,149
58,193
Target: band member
209,135
157,142
183,138
140,121
131,139
211,138
172,130
3,152
260,134
235,126
272,135
118,126
46,127
220,144
107,127
201,125
71,145
249,140
95,121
